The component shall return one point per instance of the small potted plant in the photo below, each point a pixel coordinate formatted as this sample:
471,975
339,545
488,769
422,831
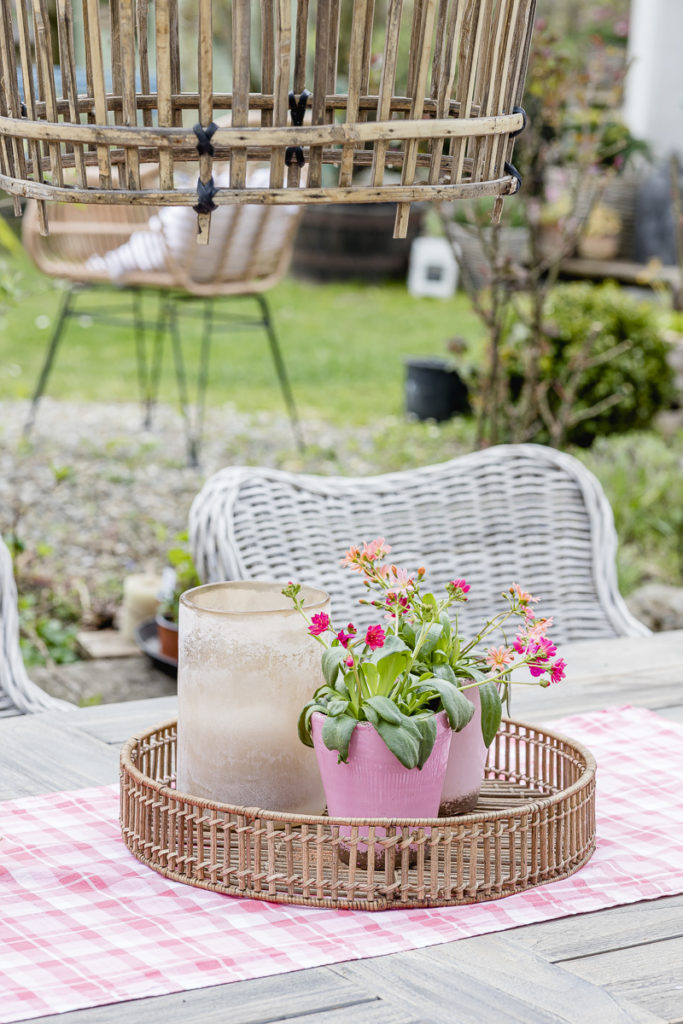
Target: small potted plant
600,238
180,575
397,696
434,387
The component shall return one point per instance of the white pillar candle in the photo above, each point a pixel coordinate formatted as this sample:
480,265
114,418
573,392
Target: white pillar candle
246,667
140,601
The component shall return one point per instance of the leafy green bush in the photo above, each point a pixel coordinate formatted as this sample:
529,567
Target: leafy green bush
49,625
627,389
642,475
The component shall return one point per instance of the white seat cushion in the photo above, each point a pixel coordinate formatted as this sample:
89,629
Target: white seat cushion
170,237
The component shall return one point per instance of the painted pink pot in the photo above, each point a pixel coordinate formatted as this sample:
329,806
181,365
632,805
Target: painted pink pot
374,784
466,761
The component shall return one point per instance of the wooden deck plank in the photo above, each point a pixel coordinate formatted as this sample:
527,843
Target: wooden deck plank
318,996
649,975
606,674
674,714
117,723
652,689
604,930
41,754
478,980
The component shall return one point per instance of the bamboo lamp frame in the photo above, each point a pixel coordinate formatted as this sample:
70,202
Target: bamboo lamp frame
442,112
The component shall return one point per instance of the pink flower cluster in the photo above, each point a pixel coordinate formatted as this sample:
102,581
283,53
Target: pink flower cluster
458,589
532,644
375,636
362,561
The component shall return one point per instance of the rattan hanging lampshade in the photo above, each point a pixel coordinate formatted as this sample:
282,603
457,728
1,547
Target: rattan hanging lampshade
416,100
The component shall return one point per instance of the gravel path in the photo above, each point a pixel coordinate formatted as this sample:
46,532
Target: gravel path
93,497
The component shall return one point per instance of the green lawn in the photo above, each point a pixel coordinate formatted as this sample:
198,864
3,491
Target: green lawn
343,344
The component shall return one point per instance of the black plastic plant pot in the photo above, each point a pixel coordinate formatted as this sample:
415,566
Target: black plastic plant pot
434,390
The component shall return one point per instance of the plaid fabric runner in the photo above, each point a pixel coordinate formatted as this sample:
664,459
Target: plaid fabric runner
82,923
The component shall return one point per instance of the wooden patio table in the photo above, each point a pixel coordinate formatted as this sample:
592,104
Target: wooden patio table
618,965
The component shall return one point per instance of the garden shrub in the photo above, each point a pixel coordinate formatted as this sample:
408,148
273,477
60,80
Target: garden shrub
640,375
642,475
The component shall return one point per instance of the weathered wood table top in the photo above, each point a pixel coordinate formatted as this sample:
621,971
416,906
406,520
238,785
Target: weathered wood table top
619,965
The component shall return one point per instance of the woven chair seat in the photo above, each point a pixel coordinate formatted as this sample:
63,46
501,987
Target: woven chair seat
18,695
249,249
521,513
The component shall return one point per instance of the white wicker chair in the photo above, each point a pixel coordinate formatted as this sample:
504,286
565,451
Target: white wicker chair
18,695
514,512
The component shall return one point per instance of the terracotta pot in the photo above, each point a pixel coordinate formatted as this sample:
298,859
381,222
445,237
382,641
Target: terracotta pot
599,247
167,632
466,760
374,784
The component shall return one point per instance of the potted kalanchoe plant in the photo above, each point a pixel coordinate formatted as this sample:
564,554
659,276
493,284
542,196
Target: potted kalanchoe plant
403,692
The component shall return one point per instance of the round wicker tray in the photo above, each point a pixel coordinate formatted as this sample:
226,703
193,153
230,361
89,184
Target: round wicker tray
534,823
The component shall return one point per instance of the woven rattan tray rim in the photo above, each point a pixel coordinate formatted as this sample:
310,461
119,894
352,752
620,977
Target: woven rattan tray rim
367,905
539,803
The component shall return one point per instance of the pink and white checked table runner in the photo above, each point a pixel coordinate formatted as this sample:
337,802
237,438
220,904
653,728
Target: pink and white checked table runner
82,923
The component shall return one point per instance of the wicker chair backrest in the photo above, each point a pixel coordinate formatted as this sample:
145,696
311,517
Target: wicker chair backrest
520,513
17,693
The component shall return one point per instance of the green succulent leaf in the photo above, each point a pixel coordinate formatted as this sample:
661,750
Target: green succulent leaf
474,673
337,707
491,711
427,727
304,723
447,673
455,650
407,634
331,660
402,742
390,667
446,632
386,709
340,689
371,677
337,733
456,705
431,640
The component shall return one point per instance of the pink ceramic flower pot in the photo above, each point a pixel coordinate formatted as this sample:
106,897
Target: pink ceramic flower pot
466,760
374,784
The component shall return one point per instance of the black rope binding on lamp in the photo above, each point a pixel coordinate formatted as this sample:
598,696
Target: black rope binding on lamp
206,190
510,168
514,173
297,109
525,121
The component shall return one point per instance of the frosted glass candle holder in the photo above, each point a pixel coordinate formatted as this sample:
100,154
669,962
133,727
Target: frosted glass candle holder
246,667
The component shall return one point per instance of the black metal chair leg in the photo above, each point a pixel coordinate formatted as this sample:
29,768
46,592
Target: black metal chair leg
141,359
281,371
149,367
203,374
64,313
181,380
158,352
